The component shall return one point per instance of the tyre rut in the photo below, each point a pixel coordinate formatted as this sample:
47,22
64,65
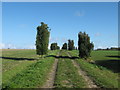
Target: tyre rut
82,73
51,76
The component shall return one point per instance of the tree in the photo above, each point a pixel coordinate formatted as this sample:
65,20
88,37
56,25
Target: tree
64,46
53,46
76,48
58,47
42,39
84,45
70,44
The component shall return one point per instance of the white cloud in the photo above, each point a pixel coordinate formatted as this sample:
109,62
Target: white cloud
31,47
6,46
23,25
53,39
79,13
57,39
2,45
97,34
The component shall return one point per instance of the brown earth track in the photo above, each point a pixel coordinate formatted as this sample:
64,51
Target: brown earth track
51,76
82,73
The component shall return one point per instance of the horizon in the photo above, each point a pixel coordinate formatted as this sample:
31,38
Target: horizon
65,19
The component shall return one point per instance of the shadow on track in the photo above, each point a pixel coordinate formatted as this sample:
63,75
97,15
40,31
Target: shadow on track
67,57
13,58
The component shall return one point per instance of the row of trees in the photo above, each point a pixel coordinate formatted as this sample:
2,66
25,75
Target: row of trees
69,46
42,41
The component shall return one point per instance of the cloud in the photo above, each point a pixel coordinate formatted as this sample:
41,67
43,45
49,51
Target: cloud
57,39
22,25
54,39
79,13
31,47
97,34
6,46
2,45
64,40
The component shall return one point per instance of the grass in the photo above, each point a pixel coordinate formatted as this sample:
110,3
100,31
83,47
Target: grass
25,69
67,75
102,76
34,76
21,66
104,55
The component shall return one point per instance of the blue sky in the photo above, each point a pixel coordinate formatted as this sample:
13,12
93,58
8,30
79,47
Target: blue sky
66,20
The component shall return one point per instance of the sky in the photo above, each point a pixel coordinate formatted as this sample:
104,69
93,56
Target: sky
65,19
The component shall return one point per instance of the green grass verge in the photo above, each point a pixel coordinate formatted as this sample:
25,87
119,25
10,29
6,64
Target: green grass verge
34,76
19,71
102,76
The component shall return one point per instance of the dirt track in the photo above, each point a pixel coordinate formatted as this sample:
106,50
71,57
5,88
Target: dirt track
82,73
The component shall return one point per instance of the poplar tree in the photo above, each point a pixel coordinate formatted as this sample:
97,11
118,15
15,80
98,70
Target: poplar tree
70,44
53,46
58,47
64,46
42,39
84,45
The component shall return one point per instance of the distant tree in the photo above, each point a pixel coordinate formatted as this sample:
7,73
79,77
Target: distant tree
76,48
70,44
42,39
84,45
64,46
54,46
58,47
107,49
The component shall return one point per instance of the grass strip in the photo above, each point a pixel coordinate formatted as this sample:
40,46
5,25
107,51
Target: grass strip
34,76
102,76
67,75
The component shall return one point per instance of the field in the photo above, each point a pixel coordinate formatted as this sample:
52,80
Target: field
59,69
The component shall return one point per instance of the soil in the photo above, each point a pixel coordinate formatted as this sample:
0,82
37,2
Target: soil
82,73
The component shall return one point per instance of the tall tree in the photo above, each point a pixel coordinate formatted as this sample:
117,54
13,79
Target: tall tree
84,45
64,46
53,46
42,39
70,44
58,47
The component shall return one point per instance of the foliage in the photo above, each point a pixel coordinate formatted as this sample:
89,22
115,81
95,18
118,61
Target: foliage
58,47
54,46
71,45
64,46
42,39
84,45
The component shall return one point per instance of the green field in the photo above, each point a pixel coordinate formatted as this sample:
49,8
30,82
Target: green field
25,69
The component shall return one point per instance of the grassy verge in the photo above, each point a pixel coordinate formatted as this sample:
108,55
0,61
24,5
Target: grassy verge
102,76
33,76
7,75
67,75
25,73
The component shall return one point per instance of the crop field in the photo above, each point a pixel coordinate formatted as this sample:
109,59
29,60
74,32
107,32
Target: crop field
59,69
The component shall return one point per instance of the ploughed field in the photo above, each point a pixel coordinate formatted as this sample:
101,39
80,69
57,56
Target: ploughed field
59,69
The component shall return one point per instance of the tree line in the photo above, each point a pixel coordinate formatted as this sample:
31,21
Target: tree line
42,42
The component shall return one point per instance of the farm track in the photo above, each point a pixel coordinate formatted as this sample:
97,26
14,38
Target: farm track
51,76
82,73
